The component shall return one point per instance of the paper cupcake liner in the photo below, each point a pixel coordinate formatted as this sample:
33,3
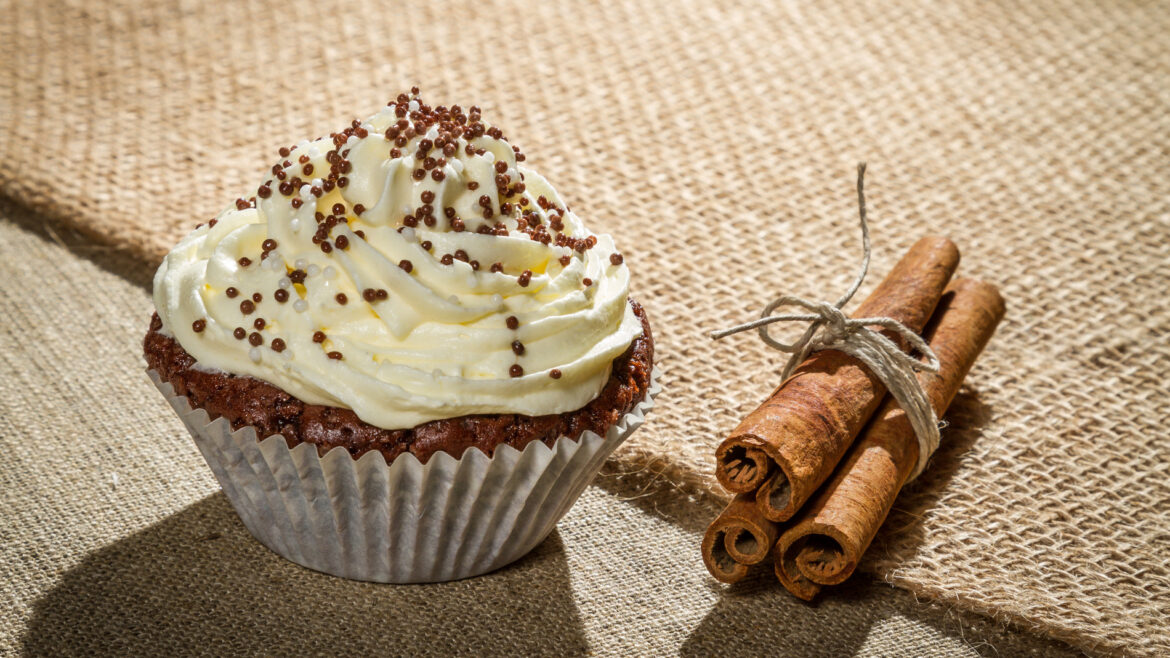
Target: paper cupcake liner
403,522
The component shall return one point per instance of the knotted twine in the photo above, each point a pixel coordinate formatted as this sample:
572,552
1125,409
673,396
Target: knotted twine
830,329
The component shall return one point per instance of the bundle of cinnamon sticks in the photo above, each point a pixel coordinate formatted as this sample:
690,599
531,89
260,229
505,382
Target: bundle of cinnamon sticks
816,468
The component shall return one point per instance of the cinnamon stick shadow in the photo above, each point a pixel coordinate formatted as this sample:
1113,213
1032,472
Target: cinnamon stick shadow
197,582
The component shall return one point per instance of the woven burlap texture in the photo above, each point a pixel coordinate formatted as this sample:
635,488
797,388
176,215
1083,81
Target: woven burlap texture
717,143
116,541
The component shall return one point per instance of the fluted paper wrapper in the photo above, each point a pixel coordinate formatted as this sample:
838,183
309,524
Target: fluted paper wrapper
403,522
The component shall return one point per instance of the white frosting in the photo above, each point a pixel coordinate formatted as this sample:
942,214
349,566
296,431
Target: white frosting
438,344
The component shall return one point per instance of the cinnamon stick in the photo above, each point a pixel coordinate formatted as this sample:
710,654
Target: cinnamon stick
807,424
826,542
739,537
716,557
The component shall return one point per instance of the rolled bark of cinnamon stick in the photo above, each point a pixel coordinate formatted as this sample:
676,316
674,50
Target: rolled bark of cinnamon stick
827,540
806,425
738,538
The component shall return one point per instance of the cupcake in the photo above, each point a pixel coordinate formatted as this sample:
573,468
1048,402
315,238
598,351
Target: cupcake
404,357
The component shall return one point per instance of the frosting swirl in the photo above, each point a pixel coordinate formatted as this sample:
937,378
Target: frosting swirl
408,268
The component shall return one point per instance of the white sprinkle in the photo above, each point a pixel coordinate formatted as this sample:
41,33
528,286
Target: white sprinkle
433,132
295,224
317,182
489,156
497,299
254,354
313,270
511,173
329,272
412,106
301,263
409,234
300,306
456,166
306,190
284,282
353,139
408,162
303,145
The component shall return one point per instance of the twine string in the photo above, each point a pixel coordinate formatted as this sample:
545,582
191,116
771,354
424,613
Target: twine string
830,329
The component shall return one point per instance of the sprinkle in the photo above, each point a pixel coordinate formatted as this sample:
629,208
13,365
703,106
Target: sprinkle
257,297
336,356
587,282
259,323
341,242
358,209
369,294
318,336
330,272
524,278
244,261
517,347
446,259
268,245
497,267
254,354
199,325
516,370
300,306
284,282
301,264
616,258
313,270
231,292
278,345
341,298
554,373
255,338
295,224
240,333
247,306
406,265
381,294
512,322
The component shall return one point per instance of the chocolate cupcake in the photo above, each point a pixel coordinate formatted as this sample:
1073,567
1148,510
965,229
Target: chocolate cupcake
404,357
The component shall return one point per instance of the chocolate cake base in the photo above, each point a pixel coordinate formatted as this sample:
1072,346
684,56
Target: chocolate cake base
244,400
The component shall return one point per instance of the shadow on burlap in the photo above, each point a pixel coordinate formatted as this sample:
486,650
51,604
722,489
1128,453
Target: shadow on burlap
717,143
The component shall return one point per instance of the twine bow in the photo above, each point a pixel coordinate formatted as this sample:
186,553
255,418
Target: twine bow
830,329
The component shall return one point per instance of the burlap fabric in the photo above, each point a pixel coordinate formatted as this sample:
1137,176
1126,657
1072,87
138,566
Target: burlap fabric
717,143
115,540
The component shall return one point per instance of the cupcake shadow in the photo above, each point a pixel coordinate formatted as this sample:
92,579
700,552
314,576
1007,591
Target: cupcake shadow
197,582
